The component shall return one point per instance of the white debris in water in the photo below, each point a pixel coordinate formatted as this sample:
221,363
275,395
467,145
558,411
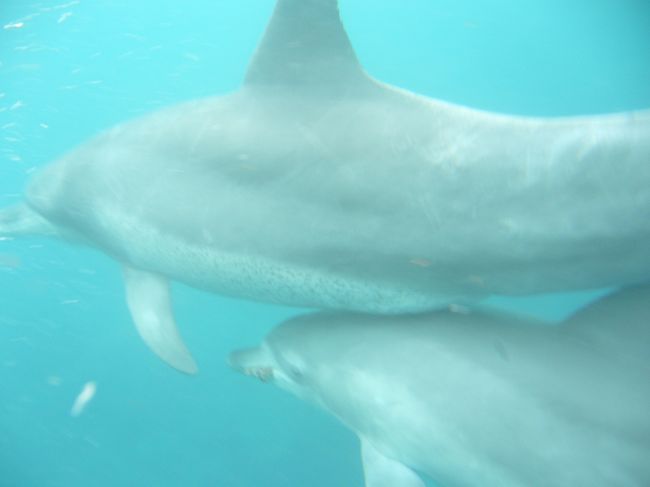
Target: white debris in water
91,441
63,5
64,17
54,380
14,25
84,397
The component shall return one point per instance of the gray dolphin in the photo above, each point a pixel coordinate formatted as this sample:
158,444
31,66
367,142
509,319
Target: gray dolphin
317,186
478,399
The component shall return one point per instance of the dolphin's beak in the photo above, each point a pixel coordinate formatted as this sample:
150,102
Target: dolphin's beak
252,361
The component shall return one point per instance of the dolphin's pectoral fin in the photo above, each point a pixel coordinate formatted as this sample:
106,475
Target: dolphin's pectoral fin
149,301
20,219
381,471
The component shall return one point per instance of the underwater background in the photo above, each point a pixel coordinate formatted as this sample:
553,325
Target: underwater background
70,69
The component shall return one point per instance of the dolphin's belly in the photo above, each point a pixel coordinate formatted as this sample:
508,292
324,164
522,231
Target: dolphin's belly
262,277
240,233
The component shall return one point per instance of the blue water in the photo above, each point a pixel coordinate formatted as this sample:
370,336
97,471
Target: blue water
77,67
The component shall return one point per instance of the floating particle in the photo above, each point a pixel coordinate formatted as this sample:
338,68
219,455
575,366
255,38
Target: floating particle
84,397
14,25
64,17
91,441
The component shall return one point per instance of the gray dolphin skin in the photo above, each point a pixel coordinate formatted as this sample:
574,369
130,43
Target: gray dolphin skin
478,399
316,186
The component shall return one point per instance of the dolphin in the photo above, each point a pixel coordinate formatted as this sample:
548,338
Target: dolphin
315,185
478,398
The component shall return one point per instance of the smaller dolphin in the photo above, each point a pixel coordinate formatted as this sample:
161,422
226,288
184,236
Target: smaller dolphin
478,399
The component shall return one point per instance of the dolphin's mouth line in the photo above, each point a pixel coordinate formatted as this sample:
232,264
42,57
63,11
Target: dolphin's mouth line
264,374
253,362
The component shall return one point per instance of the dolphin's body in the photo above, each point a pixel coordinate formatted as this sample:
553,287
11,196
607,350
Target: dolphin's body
316,186
478,399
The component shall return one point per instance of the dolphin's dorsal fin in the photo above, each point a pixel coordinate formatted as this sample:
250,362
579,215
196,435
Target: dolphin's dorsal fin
305,45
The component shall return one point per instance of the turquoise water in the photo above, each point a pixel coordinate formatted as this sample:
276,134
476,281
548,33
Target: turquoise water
74,68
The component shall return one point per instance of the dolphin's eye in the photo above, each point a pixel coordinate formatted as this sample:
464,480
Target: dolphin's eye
291,364
293,367
295,373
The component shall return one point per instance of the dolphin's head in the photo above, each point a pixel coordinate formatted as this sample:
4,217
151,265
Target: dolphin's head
285,358
302,355
271,365
321,358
